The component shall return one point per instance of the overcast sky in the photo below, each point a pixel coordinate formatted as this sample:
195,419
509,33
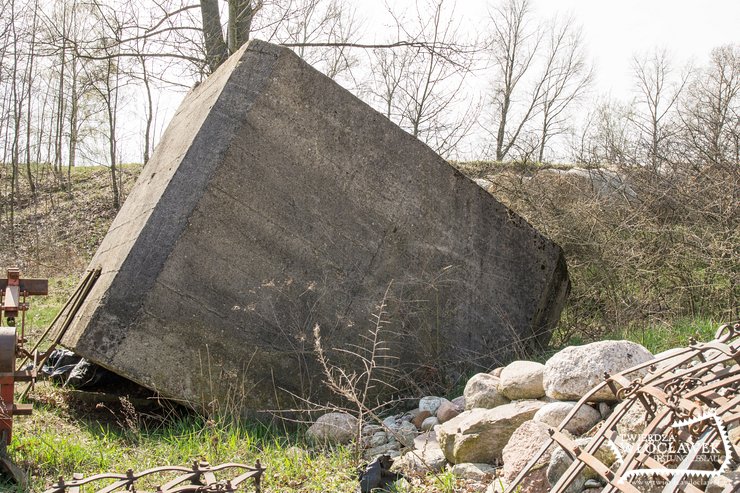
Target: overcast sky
615,30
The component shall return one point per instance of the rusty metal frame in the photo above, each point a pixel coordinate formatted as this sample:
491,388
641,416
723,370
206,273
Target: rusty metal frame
200,478
678,389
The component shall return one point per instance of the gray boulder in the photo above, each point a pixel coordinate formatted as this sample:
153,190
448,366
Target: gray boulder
333,428
482,391
479,435
554,413
524,443
574,371
522,380
431,404
560,461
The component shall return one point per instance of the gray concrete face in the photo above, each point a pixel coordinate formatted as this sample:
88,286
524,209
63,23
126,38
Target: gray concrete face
277,201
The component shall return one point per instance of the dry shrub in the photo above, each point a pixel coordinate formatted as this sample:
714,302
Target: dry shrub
655,246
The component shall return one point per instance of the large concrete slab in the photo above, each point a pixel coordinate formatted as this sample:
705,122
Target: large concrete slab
276,201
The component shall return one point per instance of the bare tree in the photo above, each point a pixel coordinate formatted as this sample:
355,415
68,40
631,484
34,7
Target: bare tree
514,43
239,24
330,23
606,137
568,77
711,111
422,87
658,92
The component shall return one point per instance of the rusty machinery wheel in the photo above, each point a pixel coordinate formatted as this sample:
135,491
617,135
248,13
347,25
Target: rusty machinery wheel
8,340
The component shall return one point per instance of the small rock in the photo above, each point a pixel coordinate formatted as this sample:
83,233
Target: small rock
592,483
554,413
429,423
522,380
573,372
473,471
391,423
448,410
378,439
387,449
481,391
419,418
431,404
430,459
333,428
459,401
605,410
406,434
560,461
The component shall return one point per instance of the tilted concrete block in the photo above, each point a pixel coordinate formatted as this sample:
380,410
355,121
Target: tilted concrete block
276,201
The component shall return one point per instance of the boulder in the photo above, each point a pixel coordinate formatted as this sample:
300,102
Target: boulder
427,439
474,472
554,413
276,197
575,370
377,439
482,391
333,428
524,443
479,435
522,380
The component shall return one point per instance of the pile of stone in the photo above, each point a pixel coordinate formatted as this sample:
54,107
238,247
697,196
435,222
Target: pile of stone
490,432
488,435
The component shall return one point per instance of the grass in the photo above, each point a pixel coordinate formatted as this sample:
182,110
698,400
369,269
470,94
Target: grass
53,443
62,437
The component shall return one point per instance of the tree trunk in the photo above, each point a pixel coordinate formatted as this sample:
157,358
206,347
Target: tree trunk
240,23
216,49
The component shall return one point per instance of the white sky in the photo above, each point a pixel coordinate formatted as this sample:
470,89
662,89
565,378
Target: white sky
614,31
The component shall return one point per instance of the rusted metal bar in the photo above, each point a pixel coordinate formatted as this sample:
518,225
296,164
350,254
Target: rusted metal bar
689,396
200,478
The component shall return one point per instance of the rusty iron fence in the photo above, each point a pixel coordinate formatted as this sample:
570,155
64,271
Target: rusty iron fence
689,400
200,478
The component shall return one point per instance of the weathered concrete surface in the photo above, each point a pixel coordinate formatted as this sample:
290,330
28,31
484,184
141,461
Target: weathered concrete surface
276,201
